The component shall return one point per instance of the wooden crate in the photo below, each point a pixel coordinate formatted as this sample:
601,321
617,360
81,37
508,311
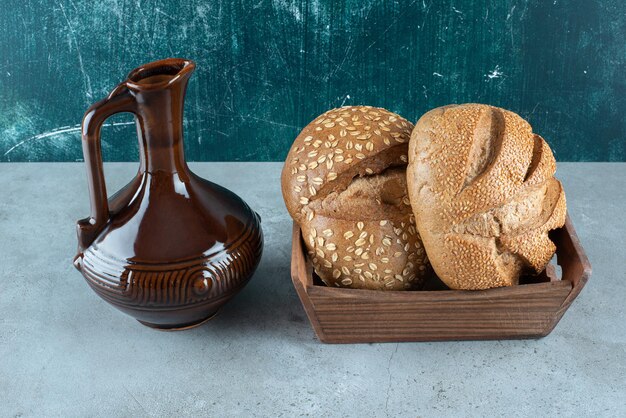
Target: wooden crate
531,310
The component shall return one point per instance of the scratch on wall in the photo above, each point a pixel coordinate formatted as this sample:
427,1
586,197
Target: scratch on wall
87,80
58,131
495,73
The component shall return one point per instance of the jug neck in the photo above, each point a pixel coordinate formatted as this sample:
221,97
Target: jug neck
159,93
160,132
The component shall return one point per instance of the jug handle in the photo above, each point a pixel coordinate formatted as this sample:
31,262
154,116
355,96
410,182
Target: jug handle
120,100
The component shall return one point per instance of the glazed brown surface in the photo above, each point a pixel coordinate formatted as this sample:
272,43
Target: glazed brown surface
170,248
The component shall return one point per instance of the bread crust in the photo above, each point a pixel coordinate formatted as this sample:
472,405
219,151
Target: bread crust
371,254
344,183
484,196
338,146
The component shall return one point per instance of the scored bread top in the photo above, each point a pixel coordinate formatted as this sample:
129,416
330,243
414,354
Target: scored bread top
477,157
382,196
486,192
338,146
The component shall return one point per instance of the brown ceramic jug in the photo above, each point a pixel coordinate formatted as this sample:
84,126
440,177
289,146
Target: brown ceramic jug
169,248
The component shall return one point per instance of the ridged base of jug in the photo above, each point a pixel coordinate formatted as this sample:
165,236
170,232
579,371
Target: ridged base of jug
174,296
182,327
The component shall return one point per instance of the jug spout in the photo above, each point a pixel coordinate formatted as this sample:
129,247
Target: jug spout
158,75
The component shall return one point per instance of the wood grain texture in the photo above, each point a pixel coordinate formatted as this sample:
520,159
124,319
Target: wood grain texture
266,68
524,311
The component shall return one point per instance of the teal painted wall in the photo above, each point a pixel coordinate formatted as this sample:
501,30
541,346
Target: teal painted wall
266,68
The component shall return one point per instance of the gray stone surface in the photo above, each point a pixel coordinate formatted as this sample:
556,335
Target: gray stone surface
65,352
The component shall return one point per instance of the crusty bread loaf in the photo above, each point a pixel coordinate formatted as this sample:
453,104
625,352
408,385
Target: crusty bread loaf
483,194
344,182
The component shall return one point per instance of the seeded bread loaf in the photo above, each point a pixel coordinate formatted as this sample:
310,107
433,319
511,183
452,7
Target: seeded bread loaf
483,194
344,183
